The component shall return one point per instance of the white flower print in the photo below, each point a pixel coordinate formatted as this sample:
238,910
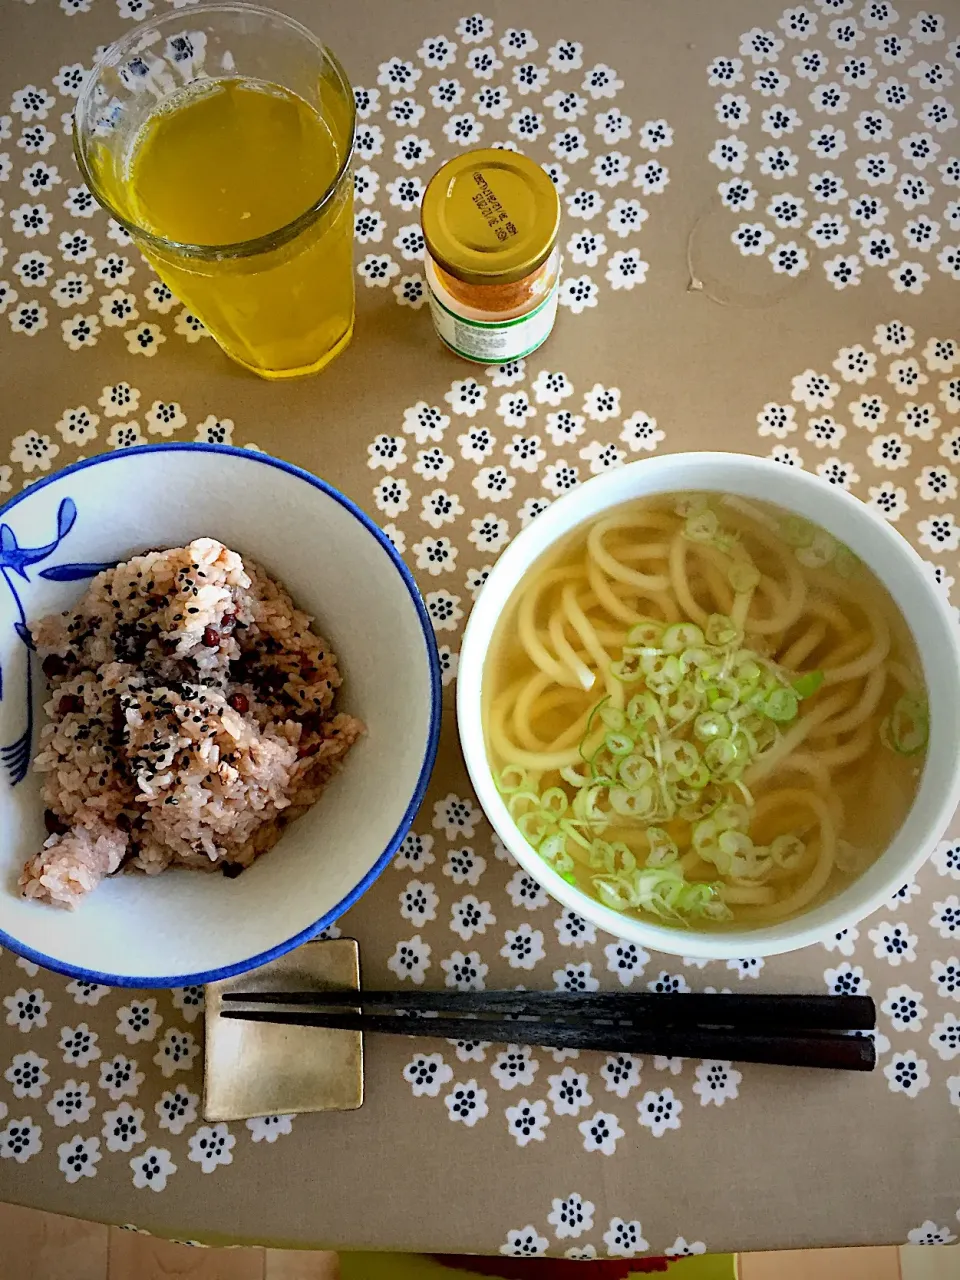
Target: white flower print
576,977
465,972
515,42
893,942
601,81
176,1051
435,555
398,76
20,1140
418,902
176,1109
145,339
891,502
856,364
573,930
759,45
844,942
483,62
626,269
777,121
939,533
527,1121
367,101
523,948
814,390
946,858
937,484
152,1169
729,154
529,78
949,394
586,248
752,238
640,433
415,852
906,1073
770,83
211,1146
410,959
946,917
80,332
270,1128
33,452
869,412
834,471
525,1243
515,1065
651,177
624,1239
470,1050
666,982
945,1037
601,1132
439,508
26,1075
724,72
602,457
746,967
626,960
78,1158
489,532
787,211
906,375
437,52
946,978
928,1233
904,1007
28,967
377,270
732,110
79,1045
138,1021
464,866
571,1216
426,1074
455,816
32,103
470,916
31,220
568,1092
621,1073
29,318
465,129
33,268
118,308
659,1112
466,1103
788,258
681,1249
410,291
72,1103
120,1077
164,417
717,1082
368,225
123,1127
551,388
777,420
526,892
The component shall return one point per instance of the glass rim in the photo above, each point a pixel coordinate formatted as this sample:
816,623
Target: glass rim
114,54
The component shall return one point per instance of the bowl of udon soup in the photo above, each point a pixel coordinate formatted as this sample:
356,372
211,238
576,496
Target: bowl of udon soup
712,704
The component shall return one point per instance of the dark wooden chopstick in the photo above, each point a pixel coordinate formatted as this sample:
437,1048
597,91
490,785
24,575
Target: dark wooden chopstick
830,1050
649,1010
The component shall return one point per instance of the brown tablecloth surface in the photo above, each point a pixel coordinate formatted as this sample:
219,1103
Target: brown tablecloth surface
463,1148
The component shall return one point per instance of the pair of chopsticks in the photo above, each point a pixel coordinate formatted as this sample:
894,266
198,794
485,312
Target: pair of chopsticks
789,1031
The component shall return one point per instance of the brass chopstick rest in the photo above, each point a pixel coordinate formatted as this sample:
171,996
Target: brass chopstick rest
257,1069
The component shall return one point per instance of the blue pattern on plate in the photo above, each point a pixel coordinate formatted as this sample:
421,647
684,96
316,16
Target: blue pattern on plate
15,559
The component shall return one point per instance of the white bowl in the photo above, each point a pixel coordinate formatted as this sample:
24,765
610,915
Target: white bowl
185,927
893,561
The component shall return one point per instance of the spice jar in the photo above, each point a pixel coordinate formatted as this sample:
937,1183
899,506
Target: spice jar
490,222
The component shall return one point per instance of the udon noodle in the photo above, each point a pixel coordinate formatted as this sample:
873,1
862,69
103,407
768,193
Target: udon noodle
705,710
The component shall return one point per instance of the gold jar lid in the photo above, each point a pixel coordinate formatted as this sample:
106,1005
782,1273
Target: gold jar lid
490,216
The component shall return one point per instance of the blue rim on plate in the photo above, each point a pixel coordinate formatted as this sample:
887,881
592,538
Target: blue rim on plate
426,766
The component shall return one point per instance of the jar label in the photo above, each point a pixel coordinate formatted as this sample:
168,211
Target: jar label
487,342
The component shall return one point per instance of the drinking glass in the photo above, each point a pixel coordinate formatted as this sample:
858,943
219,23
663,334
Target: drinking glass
280,303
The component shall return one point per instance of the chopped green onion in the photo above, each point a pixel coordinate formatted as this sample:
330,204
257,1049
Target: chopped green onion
781,705
511,779
797,532
646,632
702,526
711,725
806,686
721,630
907,728
634,771
618,744
554,802
680,636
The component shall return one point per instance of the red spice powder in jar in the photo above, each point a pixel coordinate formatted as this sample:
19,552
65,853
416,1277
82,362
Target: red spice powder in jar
490,222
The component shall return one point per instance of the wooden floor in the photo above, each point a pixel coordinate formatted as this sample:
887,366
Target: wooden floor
40,1246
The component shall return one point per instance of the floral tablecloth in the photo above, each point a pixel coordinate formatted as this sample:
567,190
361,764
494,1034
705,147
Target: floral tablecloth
762,252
